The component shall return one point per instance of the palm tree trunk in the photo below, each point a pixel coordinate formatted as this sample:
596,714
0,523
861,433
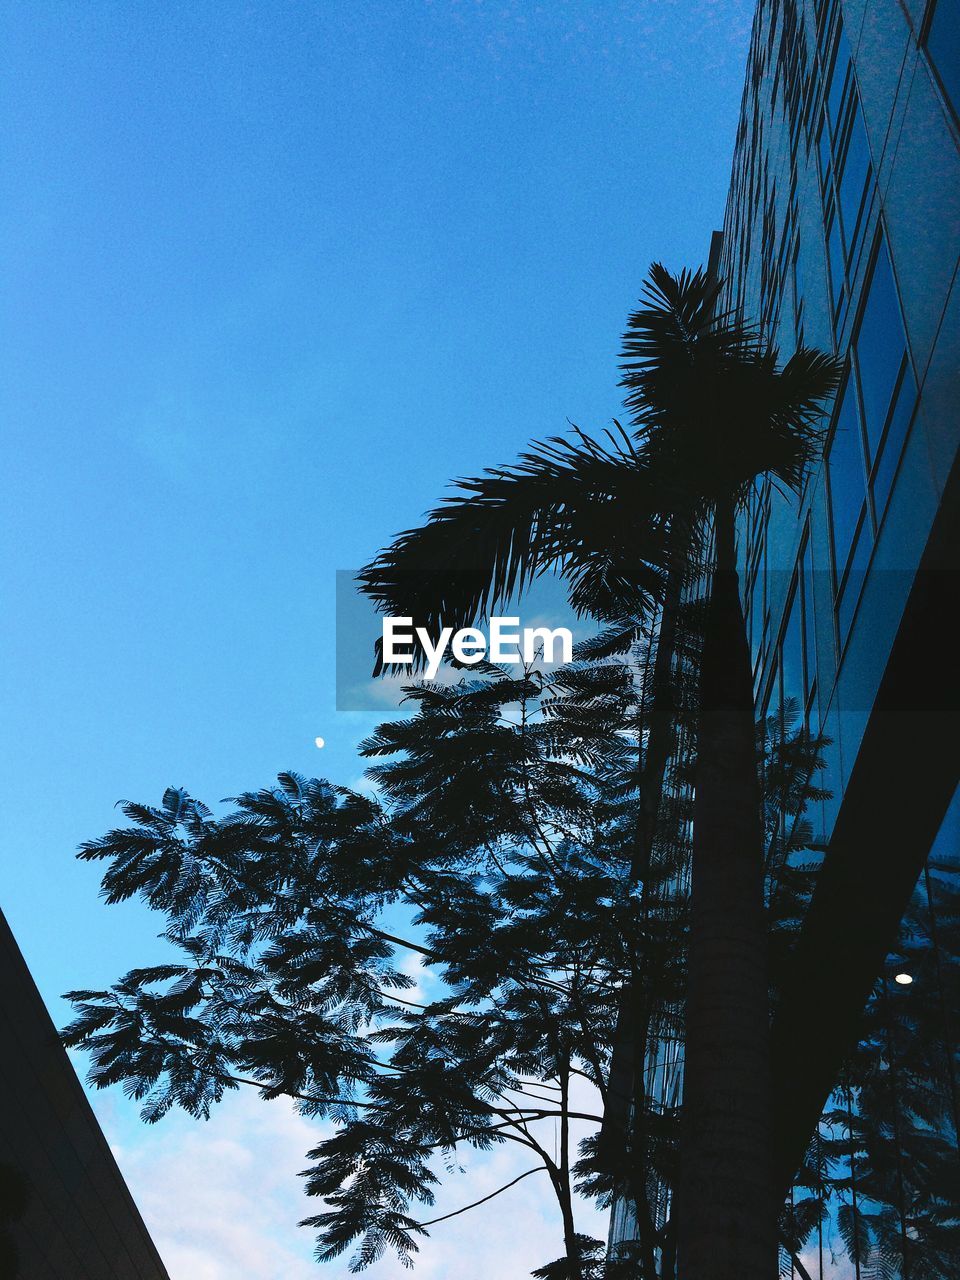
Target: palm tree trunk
726,1215
623,1112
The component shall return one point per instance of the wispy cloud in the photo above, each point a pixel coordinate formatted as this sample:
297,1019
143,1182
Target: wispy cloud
222,1200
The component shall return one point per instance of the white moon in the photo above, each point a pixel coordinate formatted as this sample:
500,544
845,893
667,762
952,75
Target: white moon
319,742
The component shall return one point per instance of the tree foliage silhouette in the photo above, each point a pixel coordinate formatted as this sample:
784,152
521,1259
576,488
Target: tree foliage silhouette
538,833
712,411
499,841
499,855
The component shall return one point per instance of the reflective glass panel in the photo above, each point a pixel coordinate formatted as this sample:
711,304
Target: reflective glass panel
884,1169
856,572
807,276
893,443
791,657
823,147
880,347
856,169
835,254
847,479
809,628
841,66
943,46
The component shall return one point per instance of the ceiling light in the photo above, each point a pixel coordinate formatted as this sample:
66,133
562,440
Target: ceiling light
904,979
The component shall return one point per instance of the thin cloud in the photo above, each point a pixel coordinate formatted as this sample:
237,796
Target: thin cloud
222,1200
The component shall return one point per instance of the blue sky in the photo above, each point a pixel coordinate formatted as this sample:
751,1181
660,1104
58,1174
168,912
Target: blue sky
274,273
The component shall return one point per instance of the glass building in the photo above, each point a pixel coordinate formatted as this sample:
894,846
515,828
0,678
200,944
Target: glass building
842,232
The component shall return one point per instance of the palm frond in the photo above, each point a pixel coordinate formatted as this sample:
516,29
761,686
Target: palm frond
708,397
591,509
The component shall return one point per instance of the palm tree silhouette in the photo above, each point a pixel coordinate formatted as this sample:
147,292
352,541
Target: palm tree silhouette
626,522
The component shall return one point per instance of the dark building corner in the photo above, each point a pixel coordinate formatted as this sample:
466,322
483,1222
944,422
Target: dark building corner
65,1210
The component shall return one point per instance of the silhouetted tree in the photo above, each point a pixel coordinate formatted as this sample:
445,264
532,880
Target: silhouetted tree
506,826
712,413
498,855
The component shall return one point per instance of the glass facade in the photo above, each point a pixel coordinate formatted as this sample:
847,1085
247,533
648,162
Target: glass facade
879,1191
842,231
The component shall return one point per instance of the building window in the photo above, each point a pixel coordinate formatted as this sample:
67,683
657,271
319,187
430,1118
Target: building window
852,582
824,152
844,162
835,258
873,418
805,588
792,688
846,478
901,415
840,77
888,391
845,174
850,516
759,653
757,612
853,178
943,49
809,276
793,679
